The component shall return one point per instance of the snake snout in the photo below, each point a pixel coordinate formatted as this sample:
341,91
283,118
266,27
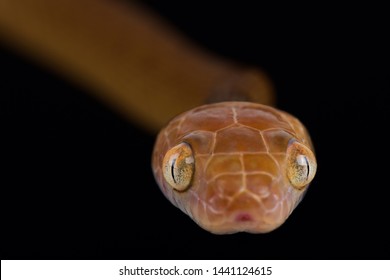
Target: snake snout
235,207
243,217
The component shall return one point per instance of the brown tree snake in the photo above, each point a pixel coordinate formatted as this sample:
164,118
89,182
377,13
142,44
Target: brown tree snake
229,160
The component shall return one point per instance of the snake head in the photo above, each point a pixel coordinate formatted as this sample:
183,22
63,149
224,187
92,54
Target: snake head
246,172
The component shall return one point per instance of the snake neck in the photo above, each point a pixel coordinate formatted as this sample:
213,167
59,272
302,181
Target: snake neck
251,85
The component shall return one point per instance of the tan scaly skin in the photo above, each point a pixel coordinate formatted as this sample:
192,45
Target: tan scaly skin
231,166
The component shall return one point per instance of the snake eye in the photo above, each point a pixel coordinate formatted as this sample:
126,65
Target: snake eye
301,165
178,167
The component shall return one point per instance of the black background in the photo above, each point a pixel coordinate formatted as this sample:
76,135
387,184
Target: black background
76,179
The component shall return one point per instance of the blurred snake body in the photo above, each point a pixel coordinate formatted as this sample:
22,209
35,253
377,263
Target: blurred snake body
228,162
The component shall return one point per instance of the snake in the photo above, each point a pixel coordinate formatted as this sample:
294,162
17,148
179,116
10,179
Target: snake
224,154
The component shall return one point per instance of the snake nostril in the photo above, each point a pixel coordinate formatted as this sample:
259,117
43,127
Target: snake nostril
244,217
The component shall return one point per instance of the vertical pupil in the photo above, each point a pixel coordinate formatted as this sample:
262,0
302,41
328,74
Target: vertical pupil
308,167
173,170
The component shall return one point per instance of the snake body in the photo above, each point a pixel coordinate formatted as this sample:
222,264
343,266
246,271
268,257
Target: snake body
234,166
